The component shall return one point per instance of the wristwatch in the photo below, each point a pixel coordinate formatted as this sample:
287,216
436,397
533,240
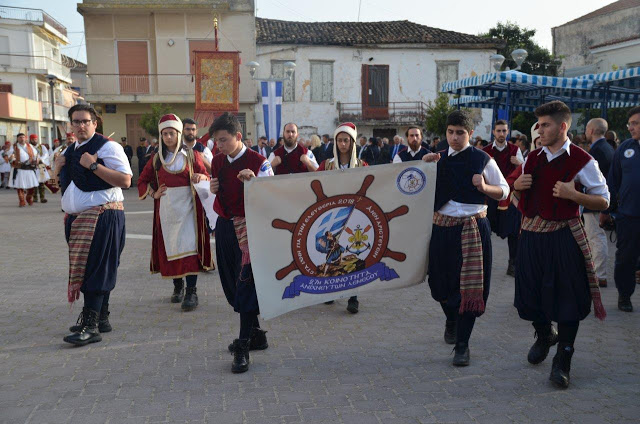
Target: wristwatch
93,166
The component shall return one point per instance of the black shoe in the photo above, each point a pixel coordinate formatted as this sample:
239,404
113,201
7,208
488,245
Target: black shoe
89,332
450,328
178,292
240,356
511,269
330,302
258,340
190,299
624,303
461,357
561,366
104,326
545,338
353,305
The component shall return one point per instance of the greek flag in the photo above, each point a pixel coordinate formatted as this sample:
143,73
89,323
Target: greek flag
335,221
272,107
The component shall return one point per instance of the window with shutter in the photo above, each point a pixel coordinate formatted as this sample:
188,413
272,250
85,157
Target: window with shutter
288,86
321,81
133,67
447,71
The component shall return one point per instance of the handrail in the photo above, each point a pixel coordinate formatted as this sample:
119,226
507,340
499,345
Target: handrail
32,15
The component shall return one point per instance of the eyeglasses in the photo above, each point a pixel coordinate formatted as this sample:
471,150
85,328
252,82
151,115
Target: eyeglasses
633,124
77,122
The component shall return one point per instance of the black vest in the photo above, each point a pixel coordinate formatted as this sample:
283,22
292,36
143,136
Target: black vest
455,174
406,156
82,177
198,147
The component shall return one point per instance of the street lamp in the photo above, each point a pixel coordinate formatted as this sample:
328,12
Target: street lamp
289,69
496,61
52,82
519,56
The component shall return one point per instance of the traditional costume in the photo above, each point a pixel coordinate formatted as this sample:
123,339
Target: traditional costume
334,163
180,246
555,276
290,159
460,252
94,226
406,155
503,216
232,248
6,157
43,167
24,178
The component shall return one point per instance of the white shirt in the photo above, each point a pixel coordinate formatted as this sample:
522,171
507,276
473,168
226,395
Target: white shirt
492,176
210,144
265,168
397,159
207,155
501,148
589,176
75,200
272,156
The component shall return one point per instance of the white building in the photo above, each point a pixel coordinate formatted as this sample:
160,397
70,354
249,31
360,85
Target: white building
30,42
379,75
604,40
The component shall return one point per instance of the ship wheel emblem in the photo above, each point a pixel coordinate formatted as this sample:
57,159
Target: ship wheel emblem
338,242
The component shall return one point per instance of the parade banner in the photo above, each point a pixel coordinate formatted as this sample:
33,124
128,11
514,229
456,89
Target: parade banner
217,84
321,236
272,108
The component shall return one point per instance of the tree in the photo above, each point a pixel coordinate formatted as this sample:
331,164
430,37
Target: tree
616,118
539,60
149,121
437,113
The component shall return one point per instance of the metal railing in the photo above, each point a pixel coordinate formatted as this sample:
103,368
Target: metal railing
395,113
31,15
61,111
153,84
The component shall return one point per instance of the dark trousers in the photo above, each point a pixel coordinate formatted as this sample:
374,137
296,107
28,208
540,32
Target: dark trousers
627,254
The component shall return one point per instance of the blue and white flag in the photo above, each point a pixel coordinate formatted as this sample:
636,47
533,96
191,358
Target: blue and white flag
334,221
272,107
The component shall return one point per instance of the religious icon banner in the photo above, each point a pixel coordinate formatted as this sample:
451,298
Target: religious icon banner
217,81
321,236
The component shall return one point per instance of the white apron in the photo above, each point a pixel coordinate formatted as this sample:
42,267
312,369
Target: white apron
178,223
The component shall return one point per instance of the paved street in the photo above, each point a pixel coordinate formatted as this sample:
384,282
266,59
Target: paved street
387,364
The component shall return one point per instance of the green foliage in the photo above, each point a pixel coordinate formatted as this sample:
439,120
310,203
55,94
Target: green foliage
616,118
149,121
437,113
539,61
523,121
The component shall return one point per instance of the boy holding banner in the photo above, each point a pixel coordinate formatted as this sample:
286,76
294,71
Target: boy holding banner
460,251
229,171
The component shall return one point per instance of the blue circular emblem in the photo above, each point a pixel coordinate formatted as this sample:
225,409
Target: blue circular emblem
411,181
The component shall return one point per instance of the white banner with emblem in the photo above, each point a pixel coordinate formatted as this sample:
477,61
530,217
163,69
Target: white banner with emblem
322,236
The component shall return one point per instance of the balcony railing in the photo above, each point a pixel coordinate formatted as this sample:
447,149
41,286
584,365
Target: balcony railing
396,113
31,15
61,111
141,84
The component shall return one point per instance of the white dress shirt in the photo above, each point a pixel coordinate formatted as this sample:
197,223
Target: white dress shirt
589,176
501,148
413,153
265,168
272,156
492,176
76,201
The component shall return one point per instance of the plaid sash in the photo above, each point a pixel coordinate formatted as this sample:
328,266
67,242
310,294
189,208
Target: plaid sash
471,273
80,238
240,226
539,225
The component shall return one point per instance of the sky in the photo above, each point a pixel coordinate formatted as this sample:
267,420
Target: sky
466,16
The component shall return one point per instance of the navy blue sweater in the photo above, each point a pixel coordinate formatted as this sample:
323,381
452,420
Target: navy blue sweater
624,179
